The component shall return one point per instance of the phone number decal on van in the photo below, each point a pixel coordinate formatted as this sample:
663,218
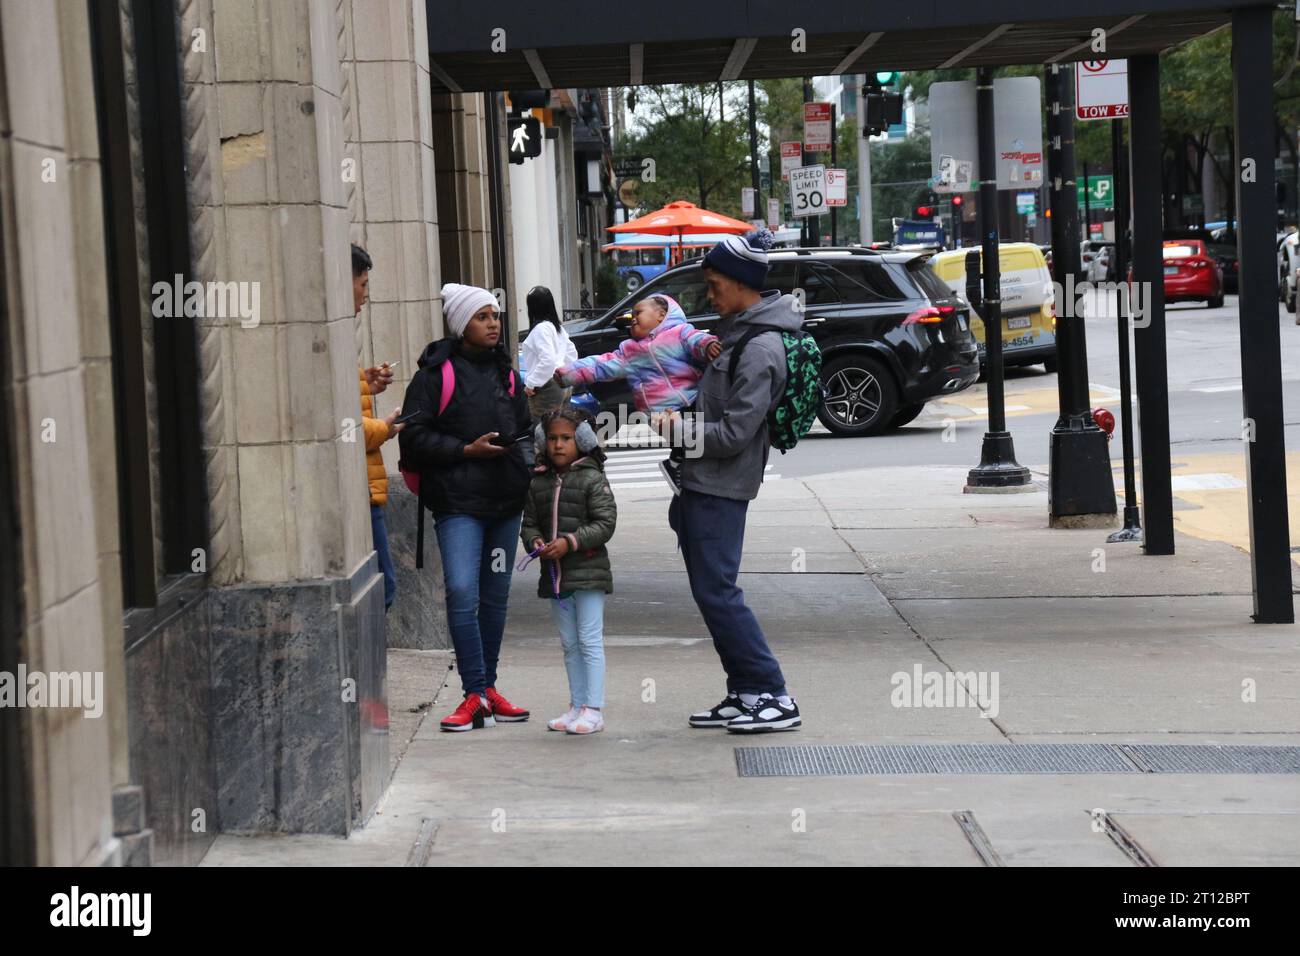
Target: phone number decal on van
1019,342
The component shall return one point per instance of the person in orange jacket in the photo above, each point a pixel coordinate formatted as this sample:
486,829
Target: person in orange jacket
377,431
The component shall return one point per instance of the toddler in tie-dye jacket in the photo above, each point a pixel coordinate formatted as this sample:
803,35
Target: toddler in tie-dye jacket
662,361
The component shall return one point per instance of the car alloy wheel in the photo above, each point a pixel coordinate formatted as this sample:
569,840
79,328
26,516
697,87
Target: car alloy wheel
860,397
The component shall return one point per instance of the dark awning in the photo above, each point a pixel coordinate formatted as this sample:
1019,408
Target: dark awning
574,43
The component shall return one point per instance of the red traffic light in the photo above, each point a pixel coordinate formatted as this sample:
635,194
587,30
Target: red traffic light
956,200
1105,420
923,211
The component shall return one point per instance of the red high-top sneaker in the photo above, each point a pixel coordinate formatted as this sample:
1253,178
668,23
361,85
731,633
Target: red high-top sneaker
503,710
472,714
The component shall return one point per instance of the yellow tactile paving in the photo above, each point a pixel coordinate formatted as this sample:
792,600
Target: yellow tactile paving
972,404
1221,513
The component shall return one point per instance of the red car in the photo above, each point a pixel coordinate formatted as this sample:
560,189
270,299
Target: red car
1191,273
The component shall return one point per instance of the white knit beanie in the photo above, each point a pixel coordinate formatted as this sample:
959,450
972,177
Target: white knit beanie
460,302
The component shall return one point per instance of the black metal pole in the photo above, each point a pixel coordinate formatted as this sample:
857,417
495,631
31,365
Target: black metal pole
811,223
804,223
1132,530
496,196
1087,205
1062,198
753,157
1081,489
1151,364
998,468
834,210
1261,356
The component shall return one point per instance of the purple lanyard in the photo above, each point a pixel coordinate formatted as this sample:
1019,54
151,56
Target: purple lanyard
555,565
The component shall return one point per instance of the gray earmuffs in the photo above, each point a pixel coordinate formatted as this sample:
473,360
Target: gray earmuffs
584,434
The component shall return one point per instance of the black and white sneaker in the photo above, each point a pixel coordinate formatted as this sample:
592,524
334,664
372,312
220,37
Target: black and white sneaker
768,713
730,708
672,469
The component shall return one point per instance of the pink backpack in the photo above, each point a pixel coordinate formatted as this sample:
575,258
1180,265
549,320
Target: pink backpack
412,476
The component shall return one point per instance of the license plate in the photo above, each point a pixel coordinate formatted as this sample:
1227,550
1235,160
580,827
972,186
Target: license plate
1020,322
961,323
1171,270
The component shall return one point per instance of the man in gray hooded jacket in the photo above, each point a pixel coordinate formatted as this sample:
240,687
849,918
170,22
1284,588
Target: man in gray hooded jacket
727,438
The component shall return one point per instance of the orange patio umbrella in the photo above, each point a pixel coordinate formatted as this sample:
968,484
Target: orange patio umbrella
682,218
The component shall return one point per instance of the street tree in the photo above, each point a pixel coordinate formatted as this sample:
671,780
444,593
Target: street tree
697,135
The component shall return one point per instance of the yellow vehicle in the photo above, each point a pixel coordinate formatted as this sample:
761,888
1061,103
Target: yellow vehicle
1028,313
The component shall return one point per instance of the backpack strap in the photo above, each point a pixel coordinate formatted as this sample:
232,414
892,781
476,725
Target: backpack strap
448,385
740,347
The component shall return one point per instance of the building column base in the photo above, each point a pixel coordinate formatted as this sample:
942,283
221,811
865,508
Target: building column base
299,703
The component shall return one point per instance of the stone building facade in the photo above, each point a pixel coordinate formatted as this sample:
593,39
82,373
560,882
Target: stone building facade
184,507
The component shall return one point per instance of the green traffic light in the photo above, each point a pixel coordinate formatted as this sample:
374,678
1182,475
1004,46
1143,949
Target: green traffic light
885,77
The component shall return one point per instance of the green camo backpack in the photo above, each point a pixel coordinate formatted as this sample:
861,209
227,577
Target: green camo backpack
793,414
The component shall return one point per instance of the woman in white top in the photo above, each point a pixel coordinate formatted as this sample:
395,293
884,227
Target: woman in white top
547,348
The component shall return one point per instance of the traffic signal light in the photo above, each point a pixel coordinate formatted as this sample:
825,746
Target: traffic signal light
957,200
523,139
884,108
927,205
883,111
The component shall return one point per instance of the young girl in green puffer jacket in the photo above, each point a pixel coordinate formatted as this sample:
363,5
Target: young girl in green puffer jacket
569,514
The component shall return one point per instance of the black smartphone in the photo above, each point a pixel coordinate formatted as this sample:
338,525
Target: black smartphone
505,442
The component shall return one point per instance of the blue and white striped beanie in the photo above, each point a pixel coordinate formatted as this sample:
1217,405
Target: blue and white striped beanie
743,258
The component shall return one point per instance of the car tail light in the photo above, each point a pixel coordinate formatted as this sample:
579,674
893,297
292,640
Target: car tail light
930,315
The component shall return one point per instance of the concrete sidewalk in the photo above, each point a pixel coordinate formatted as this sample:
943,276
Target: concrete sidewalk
857,577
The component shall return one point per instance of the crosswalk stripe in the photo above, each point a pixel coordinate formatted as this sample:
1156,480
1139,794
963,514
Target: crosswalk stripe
633,474
664,485
636,456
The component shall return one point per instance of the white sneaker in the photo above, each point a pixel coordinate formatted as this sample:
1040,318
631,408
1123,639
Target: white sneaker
564,720
589,721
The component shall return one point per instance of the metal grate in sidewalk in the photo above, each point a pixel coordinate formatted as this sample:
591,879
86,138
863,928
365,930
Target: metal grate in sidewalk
867,760
1194,758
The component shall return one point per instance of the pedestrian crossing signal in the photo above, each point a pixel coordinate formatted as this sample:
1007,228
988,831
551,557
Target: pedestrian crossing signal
524,139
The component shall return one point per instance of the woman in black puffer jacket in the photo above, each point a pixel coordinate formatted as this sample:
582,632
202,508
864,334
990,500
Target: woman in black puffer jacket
468,409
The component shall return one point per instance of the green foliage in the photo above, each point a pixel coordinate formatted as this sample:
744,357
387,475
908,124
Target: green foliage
699,156
780,110
899,173
610,286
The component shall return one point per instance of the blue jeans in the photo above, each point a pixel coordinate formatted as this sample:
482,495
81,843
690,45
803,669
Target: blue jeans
711,535
478,556
379,528
581,621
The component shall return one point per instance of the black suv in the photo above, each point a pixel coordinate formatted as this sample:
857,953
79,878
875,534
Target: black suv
892,334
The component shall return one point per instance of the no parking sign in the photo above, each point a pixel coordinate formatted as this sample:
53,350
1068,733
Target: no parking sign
1101,89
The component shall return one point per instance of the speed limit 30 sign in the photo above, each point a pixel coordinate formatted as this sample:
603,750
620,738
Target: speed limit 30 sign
808,190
